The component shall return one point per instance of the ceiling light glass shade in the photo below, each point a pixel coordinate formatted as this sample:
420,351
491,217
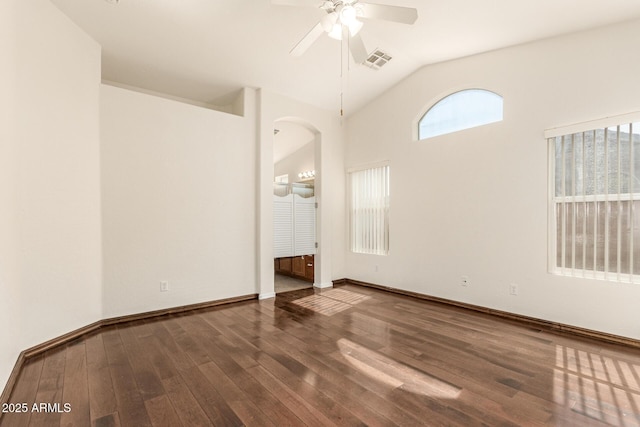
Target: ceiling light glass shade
355,27
336,31
348,15
328,21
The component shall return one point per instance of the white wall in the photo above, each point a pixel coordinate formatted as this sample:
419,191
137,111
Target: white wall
9,348
50,251
300,160
178,196
475,202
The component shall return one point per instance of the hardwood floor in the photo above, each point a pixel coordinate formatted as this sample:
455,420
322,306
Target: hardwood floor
343,356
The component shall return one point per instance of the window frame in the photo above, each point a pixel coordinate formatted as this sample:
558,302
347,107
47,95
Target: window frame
553,200
423,116
349,181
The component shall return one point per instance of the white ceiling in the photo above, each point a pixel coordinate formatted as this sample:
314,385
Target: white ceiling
206,50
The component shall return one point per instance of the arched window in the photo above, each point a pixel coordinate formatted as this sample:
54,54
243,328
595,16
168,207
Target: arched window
461,110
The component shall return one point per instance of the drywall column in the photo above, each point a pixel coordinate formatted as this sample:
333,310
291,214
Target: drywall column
264,197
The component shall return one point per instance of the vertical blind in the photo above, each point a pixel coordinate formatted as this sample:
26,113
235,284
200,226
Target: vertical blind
370,211
596,202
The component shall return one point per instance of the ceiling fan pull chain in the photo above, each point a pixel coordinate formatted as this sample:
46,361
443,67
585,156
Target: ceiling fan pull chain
341,77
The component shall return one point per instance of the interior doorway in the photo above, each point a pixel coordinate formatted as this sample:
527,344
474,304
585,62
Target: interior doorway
294,204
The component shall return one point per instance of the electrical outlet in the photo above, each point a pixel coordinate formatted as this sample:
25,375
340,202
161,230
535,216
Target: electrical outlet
464,281
164,286
513,289
376,268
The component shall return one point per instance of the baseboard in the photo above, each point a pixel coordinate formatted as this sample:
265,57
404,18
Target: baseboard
175,310
267,295
323,285
85,330
61,340
529,321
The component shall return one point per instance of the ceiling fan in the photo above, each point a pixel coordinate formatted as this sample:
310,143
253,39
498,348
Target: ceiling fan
341,22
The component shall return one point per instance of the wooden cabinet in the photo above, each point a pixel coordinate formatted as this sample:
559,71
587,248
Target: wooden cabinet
283,265
300,267
309,267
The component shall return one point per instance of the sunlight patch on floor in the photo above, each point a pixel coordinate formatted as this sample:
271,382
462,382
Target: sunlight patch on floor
597,386
395,374
331,301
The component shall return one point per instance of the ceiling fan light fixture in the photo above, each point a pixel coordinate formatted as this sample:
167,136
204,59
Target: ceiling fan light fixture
355,27
336,31
348,15
329,21
342,20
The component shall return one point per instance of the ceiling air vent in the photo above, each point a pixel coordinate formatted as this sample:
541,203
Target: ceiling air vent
377,59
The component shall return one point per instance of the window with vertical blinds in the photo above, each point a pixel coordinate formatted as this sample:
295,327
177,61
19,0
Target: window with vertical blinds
595,205
370,210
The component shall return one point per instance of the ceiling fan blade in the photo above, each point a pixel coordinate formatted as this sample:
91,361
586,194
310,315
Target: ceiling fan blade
404,15
307,40
298,3
358,51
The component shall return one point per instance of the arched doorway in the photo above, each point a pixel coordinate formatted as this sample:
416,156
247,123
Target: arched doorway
274,109
294,205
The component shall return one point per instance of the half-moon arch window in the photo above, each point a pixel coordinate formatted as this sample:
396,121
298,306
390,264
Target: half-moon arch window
461,110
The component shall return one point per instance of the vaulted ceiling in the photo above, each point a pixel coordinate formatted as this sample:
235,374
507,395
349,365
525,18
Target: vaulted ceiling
207,50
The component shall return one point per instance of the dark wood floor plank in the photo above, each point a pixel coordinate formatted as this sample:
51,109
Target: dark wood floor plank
131,409
392,389
246,400
161,412
18,413
244,408
200,327
50,388
76,388
367,406
478,394
185,404
232,362
286,370
306,412
186,343
344,356
155,351
209,399
109,420
102,399
149,383
164,340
